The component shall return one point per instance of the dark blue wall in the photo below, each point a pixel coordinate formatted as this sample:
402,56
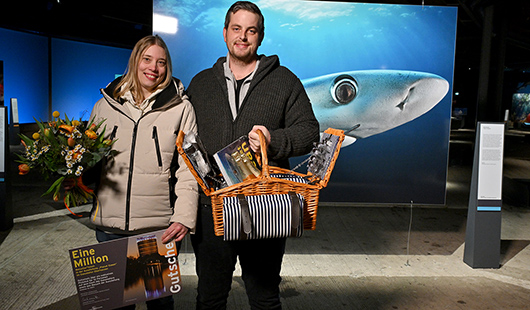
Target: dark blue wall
78,70
25,59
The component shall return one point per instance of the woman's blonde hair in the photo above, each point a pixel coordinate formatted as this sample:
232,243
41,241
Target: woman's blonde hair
130,78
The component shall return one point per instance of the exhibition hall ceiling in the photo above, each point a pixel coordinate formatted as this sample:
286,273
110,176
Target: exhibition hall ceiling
122,22
510,17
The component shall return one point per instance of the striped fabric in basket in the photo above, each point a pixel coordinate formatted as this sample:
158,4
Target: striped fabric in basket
268,216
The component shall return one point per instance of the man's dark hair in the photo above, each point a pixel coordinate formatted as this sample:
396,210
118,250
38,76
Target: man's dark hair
247,6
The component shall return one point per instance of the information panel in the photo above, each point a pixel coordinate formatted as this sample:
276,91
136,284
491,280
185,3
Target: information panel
3,144
490,161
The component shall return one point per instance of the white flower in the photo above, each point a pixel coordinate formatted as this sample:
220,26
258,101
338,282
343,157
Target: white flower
77,133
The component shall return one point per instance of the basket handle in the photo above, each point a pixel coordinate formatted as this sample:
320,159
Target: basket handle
263,150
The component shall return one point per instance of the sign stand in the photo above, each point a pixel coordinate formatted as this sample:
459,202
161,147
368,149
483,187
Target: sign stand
14,126
6,204
483,231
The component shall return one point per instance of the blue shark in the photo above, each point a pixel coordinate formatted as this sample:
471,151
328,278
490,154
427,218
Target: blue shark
368,102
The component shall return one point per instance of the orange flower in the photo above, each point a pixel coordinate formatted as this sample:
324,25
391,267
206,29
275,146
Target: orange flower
66,129
91,134
76,123
48,133
71,142
23,169
36,136
76,155
56,114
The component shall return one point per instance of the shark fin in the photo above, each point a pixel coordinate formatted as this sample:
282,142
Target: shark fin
347,141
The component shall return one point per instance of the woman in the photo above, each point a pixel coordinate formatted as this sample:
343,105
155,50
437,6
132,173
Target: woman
141,189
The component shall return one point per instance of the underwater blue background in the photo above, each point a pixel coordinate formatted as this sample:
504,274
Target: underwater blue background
314,38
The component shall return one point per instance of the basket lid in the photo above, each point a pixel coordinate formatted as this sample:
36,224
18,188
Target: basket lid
179,143
324,155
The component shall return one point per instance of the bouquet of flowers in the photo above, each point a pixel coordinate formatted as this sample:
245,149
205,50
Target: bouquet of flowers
64,148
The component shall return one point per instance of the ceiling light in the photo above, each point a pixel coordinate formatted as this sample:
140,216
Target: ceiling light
164,24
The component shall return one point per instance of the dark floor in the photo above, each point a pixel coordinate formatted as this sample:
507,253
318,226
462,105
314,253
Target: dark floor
359,257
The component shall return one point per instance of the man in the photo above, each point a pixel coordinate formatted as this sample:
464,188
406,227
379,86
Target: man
241,93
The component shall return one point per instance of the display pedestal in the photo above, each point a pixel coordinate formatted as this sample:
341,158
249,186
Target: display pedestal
483,231
6,205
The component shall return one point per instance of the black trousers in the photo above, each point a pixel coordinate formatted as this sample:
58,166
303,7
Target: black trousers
164,303
216,259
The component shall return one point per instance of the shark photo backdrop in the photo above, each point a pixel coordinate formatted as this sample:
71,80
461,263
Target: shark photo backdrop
386,68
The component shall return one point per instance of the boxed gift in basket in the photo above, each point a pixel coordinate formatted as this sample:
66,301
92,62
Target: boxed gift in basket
273,202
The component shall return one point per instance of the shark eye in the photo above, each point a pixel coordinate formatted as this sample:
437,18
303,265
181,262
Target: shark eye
344,90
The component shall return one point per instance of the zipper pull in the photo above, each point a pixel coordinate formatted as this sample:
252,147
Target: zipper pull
157,147
113,133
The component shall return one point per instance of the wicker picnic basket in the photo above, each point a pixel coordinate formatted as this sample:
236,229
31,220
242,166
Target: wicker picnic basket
266,184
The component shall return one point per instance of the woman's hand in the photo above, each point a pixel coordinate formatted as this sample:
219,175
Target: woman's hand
175,231
69,184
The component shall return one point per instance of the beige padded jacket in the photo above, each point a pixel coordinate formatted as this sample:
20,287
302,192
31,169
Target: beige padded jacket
134,193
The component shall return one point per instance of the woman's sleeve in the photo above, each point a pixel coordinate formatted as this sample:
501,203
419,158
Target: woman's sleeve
186,188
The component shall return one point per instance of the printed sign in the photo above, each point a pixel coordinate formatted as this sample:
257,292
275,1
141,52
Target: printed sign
125,271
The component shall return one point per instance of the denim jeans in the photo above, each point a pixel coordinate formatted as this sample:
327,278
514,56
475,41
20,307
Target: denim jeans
164,303
260,262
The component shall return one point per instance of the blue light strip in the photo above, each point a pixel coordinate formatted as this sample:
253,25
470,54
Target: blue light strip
488,208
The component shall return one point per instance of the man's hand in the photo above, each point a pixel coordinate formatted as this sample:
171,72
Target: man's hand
253,137
175,231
